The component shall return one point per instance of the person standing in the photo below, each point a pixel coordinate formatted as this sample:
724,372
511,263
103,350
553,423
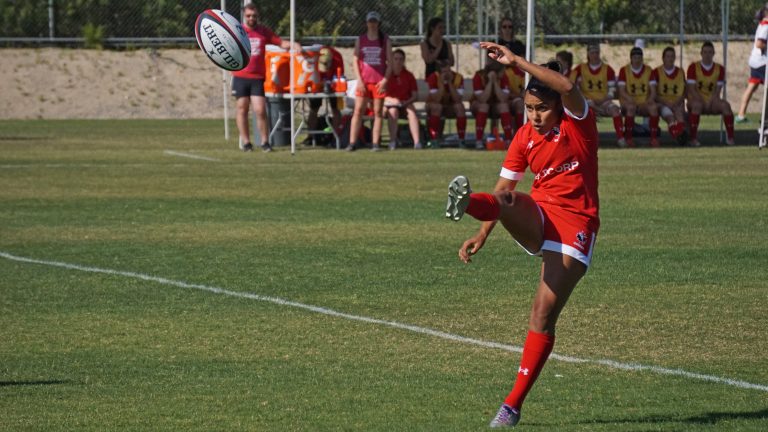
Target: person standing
401,93
597,82
670,94
507,37
638,96
248,84
372,62
757,61
435,48
558,220
705,82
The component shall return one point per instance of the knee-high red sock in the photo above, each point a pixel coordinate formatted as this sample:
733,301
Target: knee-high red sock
506,124
433,124
461,127
629,126
728,120
536,351
618,127
693,121
483,206
518,121
654,125
480,119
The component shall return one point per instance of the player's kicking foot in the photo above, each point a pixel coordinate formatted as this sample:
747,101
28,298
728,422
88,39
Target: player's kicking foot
458,198
506,417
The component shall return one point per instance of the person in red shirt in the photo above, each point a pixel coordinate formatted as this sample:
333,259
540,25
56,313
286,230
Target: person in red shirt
401,93
373,67
248,84
491,97
670,94
637,94
558,220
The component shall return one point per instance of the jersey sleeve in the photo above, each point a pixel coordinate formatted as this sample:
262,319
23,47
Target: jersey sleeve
622,76
477,83
432,82
515,162
721,76
504,83
762,31
271,37
691,74
412,87
654,80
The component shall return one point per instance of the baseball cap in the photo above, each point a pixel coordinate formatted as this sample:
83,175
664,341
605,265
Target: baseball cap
636,51
373,16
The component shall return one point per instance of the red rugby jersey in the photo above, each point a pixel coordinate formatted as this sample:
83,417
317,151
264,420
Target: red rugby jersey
259,37
564,164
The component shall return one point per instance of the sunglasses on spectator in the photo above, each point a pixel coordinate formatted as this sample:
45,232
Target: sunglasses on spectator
506,26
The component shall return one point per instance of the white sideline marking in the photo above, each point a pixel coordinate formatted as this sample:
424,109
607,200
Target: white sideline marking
422,330
190,155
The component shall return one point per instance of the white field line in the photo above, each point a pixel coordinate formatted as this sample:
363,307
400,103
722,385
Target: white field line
190,155
422,330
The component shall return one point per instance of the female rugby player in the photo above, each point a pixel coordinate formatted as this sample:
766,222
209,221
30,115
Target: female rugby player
558,220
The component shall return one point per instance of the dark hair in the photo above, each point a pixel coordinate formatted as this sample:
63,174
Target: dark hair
565,55
707,44
761,13
541,90
669,48
432,24
249,6
398,51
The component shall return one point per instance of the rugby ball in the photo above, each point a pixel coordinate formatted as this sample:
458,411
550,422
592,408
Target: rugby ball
223,39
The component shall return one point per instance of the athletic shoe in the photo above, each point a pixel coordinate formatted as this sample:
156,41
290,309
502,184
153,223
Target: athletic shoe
458,198
417,146
694,143
375,148
266,148
740,119
247,147
622,143
350,148
392,145
730,141
506,417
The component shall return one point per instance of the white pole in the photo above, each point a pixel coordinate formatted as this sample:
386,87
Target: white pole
421,17
529,34
682,33
457,35
50,19
724,20
481,57
224,98
293,55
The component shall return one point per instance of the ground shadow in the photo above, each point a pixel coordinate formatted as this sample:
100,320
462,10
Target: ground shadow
709,418
33,383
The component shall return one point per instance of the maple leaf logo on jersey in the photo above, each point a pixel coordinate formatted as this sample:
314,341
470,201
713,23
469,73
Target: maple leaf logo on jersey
581,237
530,144
523,371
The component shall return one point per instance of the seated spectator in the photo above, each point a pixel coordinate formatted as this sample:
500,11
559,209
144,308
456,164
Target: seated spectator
669,81
638,96
516,79
705,82
446,90
565,58
330,66
401,93
597,82
491,97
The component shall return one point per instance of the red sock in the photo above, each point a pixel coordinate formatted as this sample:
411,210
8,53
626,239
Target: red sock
728,120
483,206
518,121
461,127
433,124
480,120
536,351
654,125
618,126
506,124
629,126
693,120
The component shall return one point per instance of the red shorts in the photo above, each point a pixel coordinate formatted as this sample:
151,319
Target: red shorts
369,91
567,233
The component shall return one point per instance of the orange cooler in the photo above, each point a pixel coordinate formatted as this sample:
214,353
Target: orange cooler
306,75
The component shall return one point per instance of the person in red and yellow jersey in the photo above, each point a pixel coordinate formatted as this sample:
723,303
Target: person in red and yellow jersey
669,81
446,92
597,82
516,79
491,97
638,96
705,82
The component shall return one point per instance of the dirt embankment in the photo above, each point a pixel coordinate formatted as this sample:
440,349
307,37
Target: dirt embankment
53,83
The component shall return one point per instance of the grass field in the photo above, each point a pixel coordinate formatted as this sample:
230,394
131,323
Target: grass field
670,321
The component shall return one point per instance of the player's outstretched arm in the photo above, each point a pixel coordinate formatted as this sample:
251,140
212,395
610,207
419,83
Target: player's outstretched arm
570,94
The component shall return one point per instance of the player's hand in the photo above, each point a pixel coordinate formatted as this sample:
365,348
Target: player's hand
471,247
500,53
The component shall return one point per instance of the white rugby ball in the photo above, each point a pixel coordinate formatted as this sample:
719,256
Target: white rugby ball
223,39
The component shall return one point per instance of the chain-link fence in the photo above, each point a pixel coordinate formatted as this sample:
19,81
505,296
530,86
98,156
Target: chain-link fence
171,22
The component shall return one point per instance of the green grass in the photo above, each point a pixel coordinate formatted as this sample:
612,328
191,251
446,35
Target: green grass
678,281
